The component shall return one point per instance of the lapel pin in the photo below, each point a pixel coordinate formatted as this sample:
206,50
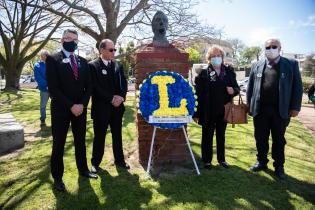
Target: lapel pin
65,60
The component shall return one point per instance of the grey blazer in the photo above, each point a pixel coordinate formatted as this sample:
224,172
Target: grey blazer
290,87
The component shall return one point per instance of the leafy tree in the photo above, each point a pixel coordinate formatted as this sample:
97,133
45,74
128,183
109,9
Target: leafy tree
249,54
309,66
194,55
126,56
237,46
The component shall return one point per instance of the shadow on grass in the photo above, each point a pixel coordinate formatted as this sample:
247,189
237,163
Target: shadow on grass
8,96
36,175
120,192
113,187
223,188
29,187
86,198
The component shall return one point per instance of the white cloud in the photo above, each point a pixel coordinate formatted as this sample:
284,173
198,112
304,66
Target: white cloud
309,22
259,35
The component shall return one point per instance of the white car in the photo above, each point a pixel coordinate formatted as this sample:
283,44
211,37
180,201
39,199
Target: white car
243,84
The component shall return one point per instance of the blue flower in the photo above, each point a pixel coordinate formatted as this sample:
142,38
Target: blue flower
149,99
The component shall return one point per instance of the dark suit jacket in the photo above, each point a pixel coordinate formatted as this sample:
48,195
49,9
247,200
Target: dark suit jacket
104,89
210,101
290,87
64,90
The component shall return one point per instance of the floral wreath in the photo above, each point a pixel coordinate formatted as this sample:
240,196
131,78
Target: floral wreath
166,94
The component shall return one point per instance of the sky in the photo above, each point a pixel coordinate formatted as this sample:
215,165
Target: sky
254,21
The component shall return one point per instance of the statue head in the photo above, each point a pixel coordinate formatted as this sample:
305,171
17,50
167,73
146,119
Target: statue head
159,27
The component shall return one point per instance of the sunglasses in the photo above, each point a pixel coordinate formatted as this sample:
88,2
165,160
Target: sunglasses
273,47
112,50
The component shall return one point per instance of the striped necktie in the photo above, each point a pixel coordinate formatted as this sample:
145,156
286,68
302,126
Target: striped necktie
74,67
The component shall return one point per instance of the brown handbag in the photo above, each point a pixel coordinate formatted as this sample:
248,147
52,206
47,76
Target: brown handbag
236,113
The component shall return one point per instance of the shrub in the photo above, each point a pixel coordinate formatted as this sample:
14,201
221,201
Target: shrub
307,82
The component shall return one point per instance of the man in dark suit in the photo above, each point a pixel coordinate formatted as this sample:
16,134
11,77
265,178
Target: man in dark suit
274,94
69,86
108,95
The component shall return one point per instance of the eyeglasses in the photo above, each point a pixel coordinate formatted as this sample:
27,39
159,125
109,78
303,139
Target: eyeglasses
112,50
272,46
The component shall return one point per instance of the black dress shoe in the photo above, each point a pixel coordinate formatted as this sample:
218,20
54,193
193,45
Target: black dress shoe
224,164
96,169
60,186
208,166
123,165
279,172
258,167
88,174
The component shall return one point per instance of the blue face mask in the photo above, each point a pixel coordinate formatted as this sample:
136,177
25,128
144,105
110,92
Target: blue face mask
70,46
216,61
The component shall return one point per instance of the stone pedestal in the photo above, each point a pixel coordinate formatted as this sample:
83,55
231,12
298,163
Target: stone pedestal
170,144
11,134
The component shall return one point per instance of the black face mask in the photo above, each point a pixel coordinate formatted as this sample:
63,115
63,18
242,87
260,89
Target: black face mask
70,46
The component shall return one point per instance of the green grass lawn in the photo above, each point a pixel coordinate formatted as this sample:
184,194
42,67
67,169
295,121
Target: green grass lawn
26,183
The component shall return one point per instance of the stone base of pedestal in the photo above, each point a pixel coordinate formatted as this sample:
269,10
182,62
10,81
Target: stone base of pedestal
170,144
11,134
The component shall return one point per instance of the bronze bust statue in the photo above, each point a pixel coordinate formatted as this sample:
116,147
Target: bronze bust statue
159,27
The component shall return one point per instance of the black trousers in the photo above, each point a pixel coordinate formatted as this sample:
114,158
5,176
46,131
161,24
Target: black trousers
219,126
269,120
100,129
60,125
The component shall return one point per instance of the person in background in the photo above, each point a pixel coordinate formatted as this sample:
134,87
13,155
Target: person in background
40,77
215,86
310,93
274,95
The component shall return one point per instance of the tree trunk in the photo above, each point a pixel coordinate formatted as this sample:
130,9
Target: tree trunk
12,78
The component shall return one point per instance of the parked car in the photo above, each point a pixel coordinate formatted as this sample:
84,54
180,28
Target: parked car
243,84
27,79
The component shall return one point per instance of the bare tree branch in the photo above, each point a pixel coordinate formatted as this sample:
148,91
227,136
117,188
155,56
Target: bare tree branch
21,29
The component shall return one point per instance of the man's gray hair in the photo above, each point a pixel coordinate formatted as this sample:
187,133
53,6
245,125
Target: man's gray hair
274,39
69,31
43,52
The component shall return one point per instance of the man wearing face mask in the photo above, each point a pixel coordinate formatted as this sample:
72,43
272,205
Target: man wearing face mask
274,94
108,96
69,86
215,86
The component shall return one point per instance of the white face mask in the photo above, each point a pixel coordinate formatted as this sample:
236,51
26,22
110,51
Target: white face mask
272,53
216,61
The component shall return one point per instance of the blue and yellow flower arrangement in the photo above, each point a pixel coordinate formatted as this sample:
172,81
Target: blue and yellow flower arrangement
166,94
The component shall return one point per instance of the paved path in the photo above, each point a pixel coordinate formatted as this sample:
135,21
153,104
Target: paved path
307,117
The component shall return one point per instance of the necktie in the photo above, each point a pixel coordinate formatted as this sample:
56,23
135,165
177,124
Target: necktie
74,67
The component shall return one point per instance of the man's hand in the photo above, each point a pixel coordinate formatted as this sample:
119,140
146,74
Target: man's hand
196,119
230,90
77,109
117,100
293,113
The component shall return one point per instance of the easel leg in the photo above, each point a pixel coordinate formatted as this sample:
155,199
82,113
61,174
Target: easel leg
151,148
191,153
